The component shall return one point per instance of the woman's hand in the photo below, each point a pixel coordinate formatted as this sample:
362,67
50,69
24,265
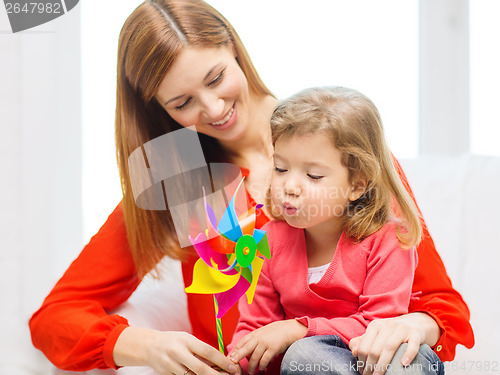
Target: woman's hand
376,347
169,353
266,342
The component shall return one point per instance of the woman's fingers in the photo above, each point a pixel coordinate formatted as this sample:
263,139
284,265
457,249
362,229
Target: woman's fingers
367,358
414,342
171,352
353,345
210,355
376,348
382,352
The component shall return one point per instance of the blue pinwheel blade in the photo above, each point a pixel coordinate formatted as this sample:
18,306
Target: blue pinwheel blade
229,225
258,235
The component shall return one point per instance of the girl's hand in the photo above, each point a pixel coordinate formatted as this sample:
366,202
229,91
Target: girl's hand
170,353
266,342
376,347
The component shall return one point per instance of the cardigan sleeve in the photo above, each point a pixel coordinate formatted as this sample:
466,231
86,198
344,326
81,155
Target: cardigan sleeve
386,289
436,295
72,327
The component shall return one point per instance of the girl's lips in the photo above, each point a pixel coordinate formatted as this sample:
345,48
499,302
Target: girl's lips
289,209
228,120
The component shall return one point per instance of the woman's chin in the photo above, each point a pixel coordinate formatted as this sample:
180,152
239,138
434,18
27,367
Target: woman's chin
236,133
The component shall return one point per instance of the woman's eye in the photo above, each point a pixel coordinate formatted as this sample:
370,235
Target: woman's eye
180,107
314,177
279,170
217,79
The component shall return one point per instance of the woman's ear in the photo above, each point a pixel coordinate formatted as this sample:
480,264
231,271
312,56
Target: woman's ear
358,189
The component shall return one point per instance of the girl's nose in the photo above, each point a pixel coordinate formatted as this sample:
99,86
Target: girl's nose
292,186
213,107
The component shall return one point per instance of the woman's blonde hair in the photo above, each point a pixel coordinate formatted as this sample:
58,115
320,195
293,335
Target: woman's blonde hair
150,41
354,125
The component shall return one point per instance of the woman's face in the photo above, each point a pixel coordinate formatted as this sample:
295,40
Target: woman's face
206,87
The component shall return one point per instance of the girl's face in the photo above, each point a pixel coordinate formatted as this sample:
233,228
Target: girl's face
206,87
310,187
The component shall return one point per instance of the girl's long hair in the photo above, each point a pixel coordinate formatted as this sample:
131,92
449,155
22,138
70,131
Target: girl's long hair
150,41
353,123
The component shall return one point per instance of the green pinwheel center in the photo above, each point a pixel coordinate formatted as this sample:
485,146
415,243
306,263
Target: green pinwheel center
245,250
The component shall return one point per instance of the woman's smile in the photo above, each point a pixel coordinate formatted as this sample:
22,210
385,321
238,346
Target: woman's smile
228,120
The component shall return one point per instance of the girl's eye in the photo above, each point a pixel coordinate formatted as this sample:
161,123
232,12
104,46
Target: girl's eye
218,79
279,170
314,177
180,107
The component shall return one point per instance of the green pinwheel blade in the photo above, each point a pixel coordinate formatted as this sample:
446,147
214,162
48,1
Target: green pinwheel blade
263,247
247,274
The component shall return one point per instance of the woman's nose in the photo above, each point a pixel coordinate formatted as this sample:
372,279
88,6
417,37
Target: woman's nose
212,107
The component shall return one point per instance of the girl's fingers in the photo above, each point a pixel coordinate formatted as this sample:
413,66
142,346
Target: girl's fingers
266,359
243,348
254,360
244,341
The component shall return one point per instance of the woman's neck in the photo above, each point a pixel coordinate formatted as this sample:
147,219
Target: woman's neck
256,142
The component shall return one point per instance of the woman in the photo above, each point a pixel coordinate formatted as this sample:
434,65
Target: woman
180,63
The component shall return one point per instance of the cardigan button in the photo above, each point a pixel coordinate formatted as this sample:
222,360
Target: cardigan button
439,348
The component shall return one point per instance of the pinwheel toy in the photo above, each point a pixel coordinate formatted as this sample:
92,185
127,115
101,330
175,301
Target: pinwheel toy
231,254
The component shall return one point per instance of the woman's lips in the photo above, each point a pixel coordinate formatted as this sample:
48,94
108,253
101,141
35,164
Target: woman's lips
226,122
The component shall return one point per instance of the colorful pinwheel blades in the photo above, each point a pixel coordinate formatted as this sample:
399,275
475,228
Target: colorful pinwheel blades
229,264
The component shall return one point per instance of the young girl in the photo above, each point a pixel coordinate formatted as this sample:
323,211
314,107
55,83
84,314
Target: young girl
340,258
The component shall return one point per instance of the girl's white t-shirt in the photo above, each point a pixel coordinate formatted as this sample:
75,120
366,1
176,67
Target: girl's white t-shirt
314,274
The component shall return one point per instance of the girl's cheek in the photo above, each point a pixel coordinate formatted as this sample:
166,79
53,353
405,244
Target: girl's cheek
276,194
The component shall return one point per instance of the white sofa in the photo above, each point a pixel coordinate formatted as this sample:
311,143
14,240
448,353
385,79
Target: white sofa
459,197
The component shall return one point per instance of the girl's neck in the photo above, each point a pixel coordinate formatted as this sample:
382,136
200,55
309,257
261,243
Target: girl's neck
321,244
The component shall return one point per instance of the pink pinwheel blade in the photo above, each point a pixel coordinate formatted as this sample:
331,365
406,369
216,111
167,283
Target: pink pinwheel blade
229,298
208,254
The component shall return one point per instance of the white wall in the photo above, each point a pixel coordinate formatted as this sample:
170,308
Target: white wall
40,185
358,44
444,77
